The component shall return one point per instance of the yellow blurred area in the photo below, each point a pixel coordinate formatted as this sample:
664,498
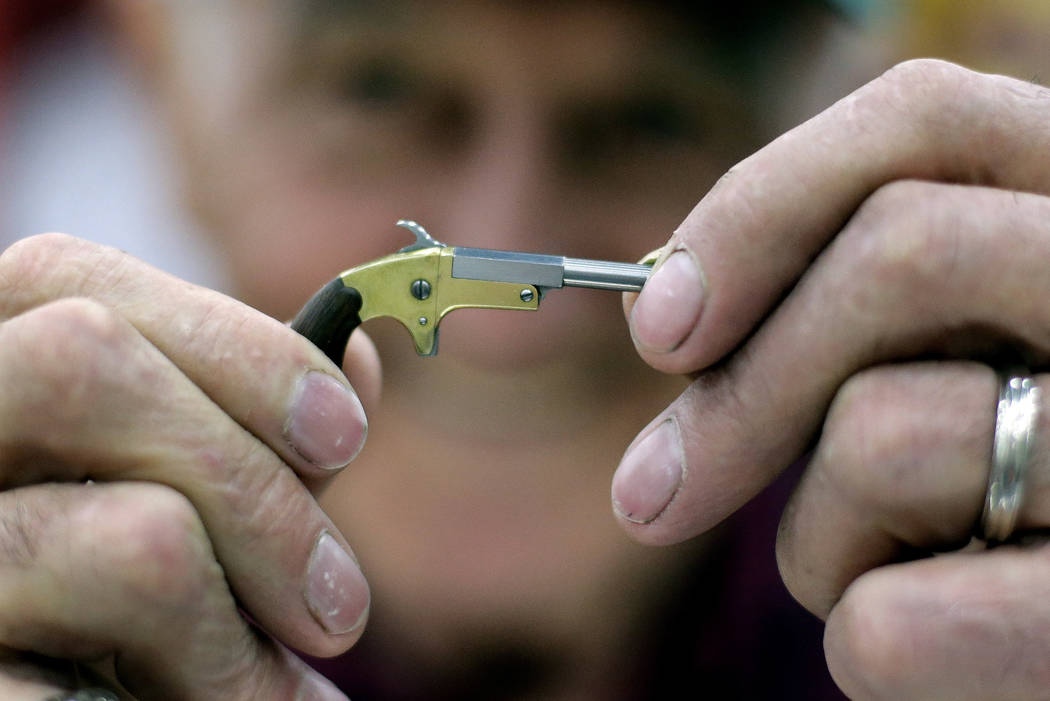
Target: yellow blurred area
1002,36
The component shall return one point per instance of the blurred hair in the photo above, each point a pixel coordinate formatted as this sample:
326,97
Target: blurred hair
736,34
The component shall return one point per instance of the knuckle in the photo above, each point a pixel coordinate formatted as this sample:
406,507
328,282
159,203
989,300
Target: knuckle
923,85
863,643
900,248
870,441
77,322
38,252
913,99
958,109
28,262
44,267
924,71
153,537
68,324
71,350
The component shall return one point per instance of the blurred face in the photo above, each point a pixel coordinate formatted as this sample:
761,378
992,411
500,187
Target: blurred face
579,128
584,129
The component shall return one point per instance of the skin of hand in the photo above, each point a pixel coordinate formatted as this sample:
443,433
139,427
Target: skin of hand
160,453
837,287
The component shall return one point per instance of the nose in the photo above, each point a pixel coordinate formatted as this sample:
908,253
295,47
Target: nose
501,194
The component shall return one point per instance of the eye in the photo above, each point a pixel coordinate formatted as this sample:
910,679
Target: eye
612,131
380,82
653,118
407,102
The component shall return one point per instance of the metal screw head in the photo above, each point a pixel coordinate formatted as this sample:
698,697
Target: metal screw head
420,289
423,321
526,295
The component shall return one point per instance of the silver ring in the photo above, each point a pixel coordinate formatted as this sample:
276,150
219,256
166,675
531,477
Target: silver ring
1015,421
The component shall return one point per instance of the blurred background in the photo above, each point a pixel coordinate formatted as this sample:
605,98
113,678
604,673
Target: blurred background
82,147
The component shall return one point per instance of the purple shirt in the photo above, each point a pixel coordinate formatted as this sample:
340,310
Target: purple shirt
727,630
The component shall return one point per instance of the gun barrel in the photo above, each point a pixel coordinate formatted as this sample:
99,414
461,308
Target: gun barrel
605,275
546,271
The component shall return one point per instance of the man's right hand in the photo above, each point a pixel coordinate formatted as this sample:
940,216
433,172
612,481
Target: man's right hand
160,449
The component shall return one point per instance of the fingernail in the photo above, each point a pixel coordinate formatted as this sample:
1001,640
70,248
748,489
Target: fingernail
327,423
336,591
669,305
317,688
649,475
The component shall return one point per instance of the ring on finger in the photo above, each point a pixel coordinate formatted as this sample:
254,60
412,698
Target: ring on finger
1015,421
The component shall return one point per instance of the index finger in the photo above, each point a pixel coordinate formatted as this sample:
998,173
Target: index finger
757,230
272,381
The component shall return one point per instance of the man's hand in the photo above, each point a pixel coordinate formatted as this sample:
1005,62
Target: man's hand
160,445
809,291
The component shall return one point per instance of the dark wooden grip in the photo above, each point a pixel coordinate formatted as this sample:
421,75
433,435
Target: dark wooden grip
329,318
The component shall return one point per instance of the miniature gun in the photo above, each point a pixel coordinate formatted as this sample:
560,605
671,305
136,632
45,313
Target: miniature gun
424,281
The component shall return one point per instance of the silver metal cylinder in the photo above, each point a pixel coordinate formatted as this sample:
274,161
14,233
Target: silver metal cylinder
605,275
